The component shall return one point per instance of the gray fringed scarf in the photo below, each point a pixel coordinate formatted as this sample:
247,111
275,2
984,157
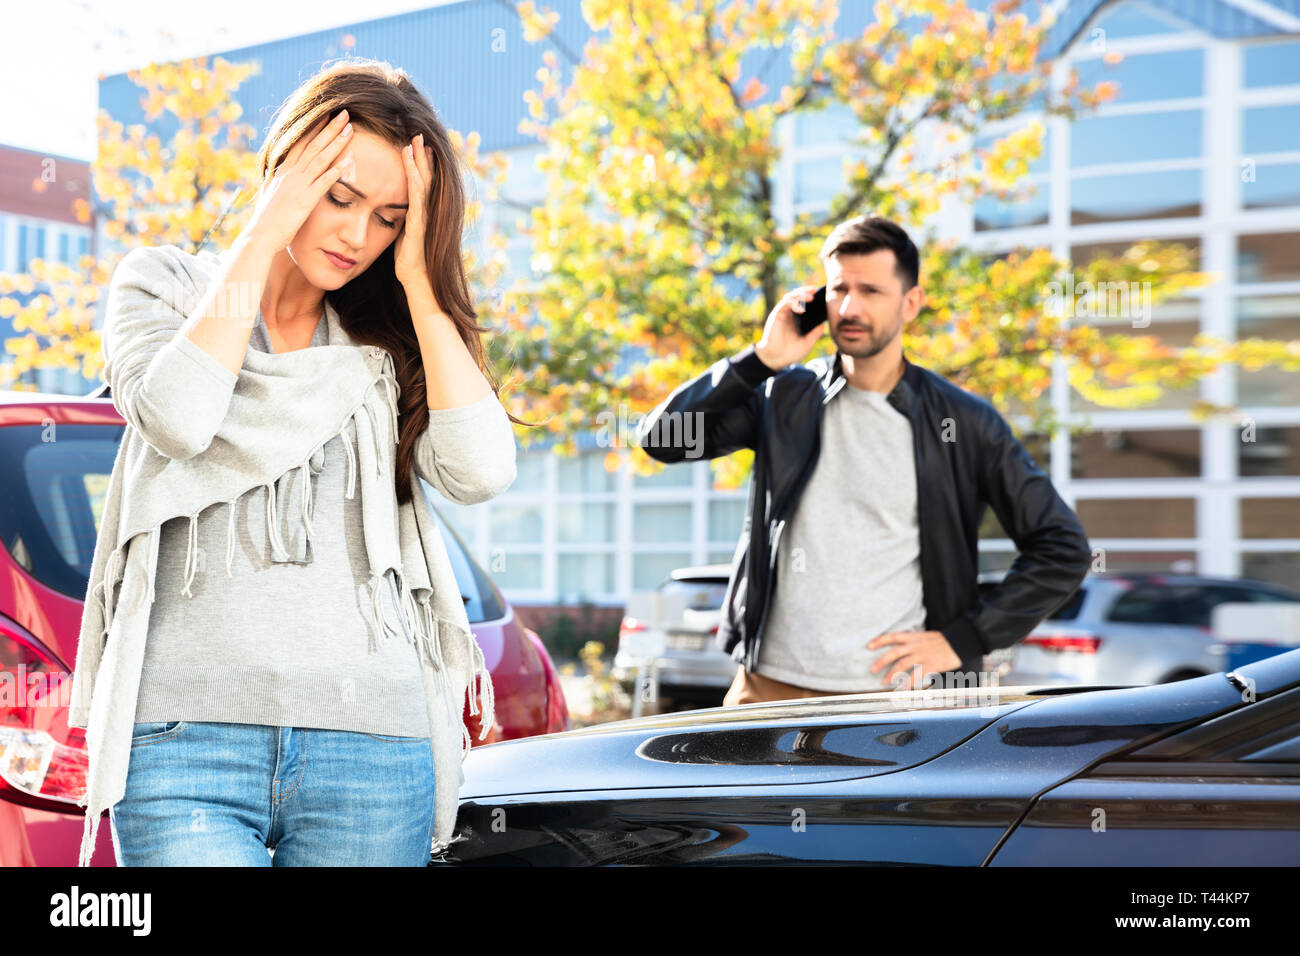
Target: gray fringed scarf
279,419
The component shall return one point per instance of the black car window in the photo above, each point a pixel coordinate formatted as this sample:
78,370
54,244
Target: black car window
1268,595
1267,731
1182,605
53,485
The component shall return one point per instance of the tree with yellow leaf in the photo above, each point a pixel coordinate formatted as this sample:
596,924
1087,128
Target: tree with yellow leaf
196,190
659,231
147,193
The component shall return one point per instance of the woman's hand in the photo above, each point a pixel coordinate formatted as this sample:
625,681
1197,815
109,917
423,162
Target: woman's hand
289,194
408,249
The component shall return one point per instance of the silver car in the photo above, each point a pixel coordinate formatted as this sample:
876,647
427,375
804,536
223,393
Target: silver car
675,628
1128,628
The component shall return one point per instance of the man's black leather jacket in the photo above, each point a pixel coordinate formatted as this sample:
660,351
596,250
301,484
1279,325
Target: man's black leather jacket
966,458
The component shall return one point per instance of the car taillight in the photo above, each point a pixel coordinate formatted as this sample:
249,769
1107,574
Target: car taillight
1065,643
630,625
41,757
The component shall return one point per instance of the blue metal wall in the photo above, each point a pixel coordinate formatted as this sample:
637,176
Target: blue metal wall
448,53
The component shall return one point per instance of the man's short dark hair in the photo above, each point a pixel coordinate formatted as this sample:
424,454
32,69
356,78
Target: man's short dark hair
865,234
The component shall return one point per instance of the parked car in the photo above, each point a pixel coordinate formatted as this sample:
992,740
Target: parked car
1200,772
1129,628
52,493
681,617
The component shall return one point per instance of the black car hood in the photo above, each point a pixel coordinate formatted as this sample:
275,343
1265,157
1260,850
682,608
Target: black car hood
803,741
816,740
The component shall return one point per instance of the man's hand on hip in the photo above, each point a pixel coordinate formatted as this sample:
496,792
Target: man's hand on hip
911,655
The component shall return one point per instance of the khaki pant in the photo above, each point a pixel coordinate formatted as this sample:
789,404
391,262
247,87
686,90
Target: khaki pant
754,688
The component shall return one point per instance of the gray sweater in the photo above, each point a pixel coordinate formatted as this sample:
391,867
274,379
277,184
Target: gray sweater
850,556
201,436
283,643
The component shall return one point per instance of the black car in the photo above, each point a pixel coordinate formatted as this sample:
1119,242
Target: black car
1199,772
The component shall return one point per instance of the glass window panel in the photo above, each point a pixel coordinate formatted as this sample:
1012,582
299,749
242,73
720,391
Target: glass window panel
1275,567
819,180
65,248
1269,452
667,522
679,475
1137,453
1270,129
83,245
834,124
1012,84
575,523
515,524
1136,196
530,471
649,570
1268,317
1174,562
1138,517
721,557
584,472
1271,64
1148,76
994,213
1086,253
1137,138
579,575
511,569
1271,184
1174,334
462,518
1270,517
726,519
1271,257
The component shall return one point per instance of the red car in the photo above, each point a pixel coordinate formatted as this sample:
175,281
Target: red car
52,493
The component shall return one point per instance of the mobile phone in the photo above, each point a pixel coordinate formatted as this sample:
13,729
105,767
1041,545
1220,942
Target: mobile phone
814,312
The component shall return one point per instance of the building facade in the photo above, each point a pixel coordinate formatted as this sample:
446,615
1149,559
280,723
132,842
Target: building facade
38,220
1202,145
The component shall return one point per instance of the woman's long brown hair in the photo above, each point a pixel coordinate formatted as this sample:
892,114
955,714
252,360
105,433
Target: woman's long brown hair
372,307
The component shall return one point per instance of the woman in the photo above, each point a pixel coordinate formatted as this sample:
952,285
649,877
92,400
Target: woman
282,398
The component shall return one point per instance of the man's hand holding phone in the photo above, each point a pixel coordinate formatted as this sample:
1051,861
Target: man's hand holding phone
793,327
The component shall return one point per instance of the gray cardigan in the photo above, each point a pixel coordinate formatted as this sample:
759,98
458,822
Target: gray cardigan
201,436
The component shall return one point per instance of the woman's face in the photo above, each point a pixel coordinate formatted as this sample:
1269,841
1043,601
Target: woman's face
359,215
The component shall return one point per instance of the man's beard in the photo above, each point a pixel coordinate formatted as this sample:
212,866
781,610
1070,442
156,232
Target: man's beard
868,344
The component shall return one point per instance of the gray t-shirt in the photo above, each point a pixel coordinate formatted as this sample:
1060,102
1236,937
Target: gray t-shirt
849,558
280,643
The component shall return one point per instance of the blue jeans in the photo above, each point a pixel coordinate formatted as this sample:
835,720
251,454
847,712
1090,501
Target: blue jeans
226,794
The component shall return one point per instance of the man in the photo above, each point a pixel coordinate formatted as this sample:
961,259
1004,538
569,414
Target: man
857,566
